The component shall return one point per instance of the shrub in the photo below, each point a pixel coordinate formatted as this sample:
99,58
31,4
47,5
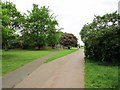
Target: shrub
102,38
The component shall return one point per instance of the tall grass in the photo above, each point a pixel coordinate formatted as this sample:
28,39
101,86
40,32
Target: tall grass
100,74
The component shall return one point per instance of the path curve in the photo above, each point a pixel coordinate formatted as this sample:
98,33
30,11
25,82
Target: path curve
65,72
11,79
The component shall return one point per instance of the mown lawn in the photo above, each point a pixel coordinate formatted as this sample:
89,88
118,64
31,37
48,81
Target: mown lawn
13,59
61,53
100,75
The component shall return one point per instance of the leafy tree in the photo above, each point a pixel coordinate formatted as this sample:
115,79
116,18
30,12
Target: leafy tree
54,38
39,26
36,29
68,40
0,25
10,21
101,38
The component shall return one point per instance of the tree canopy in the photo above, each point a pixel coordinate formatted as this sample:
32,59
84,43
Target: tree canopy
34,29
102,38
39,28
10,21
68,40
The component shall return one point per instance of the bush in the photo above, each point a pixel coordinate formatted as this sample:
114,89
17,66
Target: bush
102,38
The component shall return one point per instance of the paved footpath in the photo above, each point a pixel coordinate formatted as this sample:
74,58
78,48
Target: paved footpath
11,79
65,72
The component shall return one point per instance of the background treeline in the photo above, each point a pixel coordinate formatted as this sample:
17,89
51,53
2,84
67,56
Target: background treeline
35,29
102,38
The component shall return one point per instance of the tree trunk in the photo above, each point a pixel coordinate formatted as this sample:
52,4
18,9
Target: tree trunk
68,47
6,47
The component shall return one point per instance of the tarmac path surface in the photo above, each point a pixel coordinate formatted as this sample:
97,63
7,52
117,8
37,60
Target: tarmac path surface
11,79
64,72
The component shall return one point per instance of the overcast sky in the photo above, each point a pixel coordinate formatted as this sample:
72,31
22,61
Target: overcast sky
71,14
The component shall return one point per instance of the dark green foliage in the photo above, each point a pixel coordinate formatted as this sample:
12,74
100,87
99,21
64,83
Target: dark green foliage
35,29
10,21
39,28
68,40
102,38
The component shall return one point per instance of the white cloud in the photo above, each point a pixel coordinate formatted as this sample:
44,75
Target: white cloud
72,14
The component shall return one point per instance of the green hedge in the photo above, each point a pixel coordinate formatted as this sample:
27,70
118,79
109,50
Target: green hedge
102,38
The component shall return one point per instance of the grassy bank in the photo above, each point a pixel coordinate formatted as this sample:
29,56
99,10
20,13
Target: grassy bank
60,54
100,75
14,59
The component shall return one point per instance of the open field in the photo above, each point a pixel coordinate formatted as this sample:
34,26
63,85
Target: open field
100,75
14,59
61,54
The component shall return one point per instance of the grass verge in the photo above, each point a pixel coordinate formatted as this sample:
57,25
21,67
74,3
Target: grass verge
61,53
100,75
13,59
